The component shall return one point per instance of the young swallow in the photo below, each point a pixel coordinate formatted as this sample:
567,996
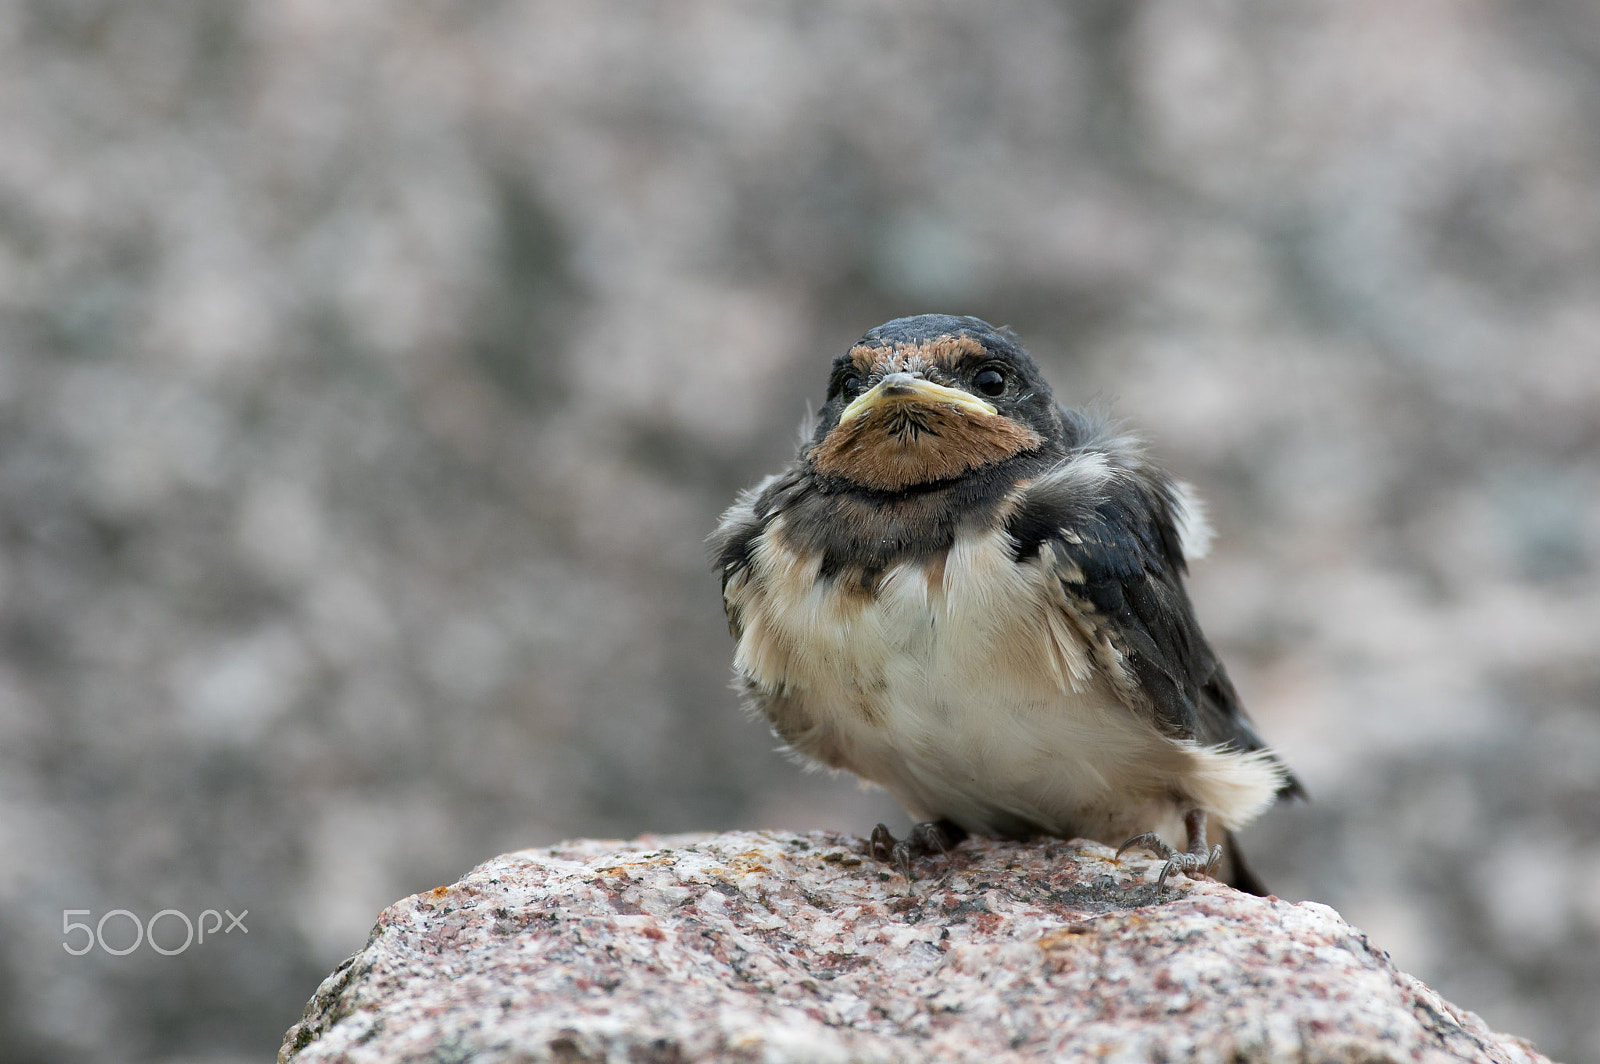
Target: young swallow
970,595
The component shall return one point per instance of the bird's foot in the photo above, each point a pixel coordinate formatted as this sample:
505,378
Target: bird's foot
923,840
1196,859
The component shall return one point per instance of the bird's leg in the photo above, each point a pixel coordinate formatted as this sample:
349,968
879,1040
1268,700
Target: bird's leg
923,840
1197,858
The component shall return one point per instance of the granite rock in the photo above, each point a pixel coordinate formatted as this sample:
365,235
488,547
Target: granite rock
785,947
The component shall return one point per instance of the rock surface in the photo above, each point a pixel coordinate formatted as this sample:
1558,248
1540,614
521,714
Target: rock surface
796,947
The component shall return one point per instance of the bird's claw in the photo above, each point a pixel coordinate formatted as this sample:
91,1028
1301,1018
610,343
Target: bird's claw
1202,861
923,840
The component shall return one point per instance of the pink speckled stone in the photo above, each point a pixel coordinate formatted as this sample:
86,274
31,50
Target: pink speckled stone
779,947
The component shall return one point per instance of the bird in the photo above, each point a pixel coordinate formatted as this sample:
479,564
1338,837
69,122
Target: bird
973,597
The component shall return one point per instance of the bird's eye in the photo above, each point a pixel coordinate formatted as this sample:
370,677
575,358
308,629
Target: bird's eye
990,382
850,384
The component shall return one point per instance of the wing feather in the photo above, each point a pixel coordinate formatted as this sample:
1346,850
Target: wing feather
1113,526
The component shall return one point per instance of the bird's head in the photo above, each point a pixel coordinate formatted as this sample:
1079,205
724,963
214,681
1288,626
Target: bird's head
921,400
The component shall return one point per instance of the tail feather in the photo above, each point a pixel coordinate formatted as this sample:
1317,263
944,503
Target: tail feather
1237,873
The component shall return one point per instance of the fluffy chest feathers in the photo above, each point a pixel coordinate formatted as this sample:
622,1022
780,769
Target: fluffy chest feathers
971,686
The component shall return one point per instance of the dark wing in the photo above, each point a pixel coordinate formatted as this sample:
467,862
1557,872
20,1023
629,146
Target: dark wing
730,545
1119,558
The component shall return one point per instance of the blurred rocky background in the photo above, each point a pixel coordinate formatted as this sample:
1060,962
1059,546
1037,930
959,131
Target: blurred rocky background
370,374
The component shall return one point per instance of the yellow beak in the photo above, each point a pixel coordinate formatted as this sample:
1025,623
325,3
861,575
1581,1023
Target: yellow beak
899,388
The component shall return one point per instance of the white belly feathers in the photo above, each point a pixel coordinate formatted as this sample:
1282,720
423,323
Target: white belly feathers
964,686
